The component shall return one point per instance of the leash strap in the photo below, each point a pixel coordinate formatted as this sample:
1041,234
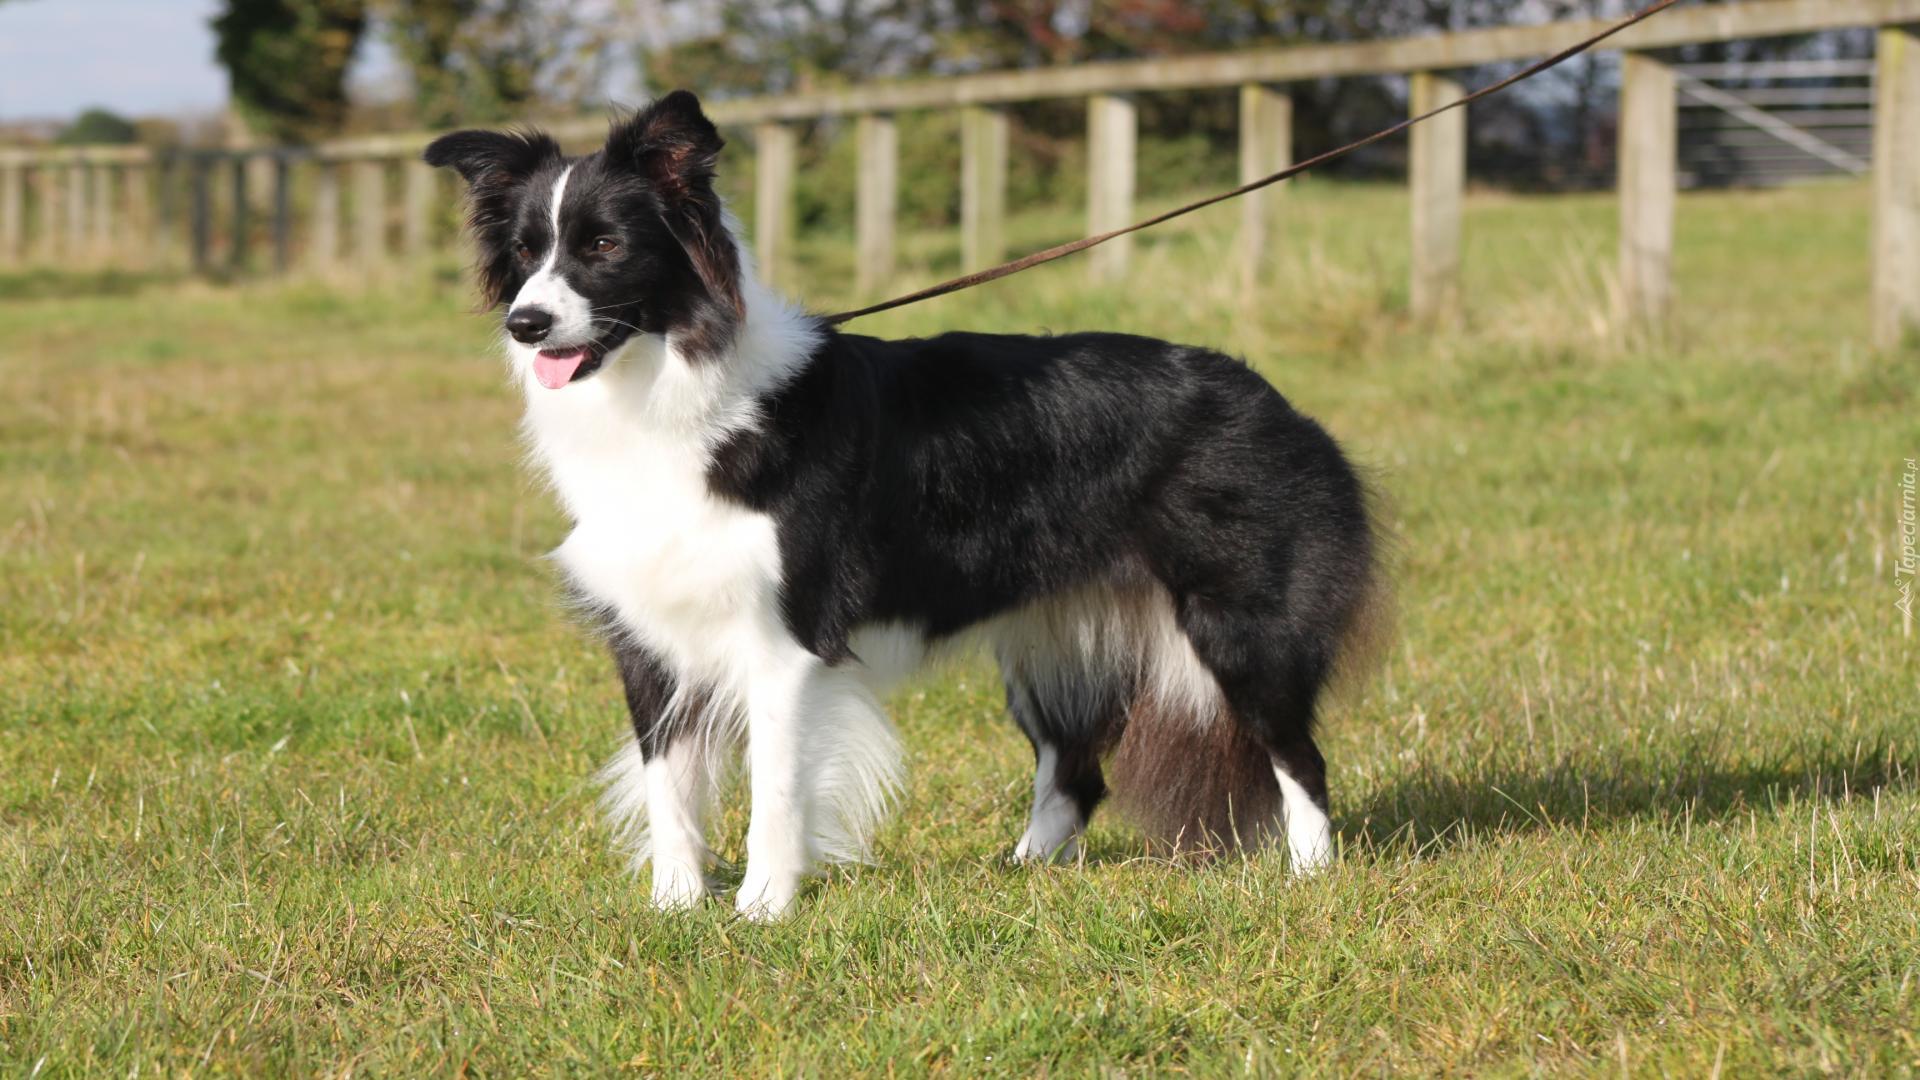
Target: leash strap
1061,251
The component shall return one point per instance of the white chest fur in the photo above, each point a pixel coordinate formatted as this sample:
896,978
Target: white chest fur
694,577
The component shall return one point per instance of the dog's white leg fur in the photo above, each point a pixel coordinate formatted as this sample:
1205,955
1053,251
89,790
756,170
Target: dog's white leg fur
1053,829
824,764
676,809
1309,833
777,828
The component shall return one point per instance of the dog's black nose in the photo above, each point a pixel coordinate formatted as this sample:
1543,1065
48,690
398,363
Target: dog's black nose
529,324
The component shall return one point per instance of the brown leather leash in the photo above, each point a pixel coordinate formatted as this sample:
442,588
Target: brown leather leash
1061,251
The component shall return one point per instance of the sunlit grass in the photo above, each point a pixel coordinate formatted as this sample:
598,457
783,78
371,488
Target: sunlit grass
294,775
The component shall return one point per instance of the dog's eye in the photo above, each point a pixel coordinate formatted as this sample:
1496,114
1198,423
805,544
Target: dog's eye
523,253
606,245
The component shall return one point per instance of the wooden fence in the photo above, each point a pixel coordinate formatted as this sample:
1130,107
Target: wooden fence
125,206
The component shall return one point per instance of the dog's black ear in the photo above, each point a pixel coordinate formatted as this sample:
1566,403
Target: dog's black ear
673,146
495,164
480,154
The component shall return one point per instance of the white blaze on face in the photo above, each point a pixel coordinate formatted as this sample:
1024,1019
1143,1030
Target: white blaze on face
555,358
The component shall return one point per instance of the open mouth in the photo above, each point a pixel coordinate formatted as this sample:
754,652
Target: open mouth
556,368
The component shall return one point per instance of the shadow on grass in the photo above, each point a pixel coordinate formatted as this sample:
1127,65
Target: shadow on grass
1432,810
1429,811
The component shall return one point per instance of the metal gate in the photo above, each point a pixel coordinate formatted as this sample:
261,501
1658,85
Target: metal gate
1775,122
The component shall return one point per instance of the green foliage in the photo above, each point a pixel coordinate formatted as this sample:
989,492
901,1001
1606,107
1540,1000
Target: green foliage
287,62
294,738
929,188
425,34
490,61
1041,169
96,127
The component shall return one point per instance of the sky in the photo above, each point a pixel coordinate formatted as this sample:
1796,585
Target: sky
135,57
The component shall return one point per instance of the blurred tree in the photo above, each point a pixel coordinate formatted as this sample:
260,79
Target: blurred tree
98,126
425,34
485,61
287,61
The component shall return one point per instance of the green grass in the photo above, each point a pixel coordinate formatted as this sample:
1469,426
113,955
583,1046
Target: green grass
295,742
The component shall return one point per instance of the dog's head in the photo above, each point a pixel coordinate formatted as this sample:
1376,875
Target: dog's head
586,252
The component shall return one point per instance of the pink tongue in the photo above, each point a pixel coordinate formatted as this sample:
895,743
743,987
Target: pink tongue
555,369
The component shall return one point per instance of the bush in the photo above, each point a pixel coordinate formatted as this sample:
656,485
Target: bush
98,127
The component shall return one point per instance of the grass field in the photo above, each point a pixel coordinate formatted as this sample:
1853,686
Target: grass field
295,742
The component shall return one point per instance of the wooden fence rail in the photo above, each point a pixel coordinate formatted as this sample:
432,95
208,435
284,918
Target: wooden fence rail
334,204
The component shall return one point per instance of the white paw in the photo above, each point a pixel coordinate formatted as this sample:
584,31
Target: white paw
766,897
677,886
1050,849
1311,851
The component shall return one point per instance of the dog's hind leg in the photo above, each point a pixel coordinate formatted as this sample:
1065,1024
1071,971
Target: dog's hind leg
1273,676
1070,719
1302,774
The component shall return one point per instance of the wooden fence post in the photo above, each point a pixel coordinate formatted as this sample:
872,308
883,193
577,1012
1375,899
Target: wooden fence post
77,177
1649,181
1266,147
13,202
325,245
417,228
1111,125
876,200
138,182
47,203
166,209
102,223
1896,187
282,213
369,211
241,228
776,150
260,177
202,211
1438,173
983,186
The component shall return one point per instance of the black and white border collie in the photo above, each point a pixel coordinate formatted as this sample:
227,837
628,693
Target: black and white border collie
774,521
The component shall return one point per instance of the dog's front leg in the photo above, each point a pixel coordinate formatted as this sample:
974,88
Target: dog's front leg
670,784
676,804
777,834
